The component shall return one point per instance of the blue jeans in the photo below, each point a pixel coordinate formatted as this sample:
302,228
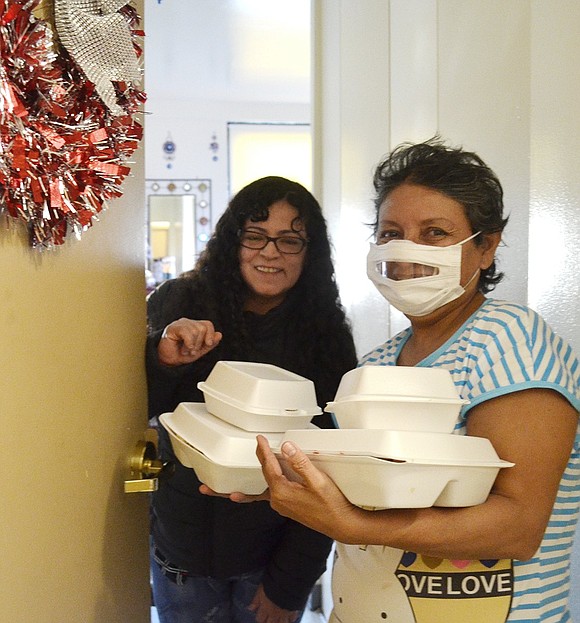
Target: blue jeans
182,598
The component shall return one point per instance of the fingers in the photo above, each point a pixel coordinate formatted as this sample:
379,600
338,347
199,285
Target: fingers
267,611
193,335
293,465
301,466
270,466
236,496
211,493
243,498
186,340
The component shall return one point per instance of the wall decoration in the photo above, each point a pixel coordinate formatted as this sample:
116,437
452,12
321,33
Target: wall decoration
68,112
169,148
98,38
214,146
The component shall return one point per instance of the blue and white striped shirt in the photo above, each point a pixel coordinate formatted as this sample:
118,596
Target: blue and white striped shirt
504,348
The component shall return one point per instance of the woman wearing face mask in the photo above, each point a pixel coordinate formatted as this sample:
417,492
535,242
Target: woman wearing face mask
264,291
439,218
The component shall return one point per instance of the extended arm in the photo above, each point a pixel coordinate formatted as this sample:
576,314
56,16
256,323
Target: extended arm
185,342
534,429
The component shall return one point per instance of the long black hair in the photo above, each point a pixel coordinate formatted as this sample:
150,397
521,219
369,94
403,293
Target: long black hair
214,290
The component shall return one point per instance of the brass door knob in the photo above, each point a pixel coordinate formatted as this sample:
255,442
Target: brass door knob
144,468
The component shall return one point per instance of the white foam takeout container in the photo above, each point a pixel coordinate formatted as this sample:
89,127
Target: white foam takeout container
397,398
259,397
402,469
222,455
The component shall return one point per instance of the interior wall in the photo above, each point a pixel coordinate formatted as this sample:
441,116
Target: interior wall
554,252
211,62
351,132
423,74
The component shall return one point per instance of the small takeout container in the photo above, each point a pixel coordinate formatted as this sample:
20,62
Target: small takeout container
222,455
397,398
259,397
402,469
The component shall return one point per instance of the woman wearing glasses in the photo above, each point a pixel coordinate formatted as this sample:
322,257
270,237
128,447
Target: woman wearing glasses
263,290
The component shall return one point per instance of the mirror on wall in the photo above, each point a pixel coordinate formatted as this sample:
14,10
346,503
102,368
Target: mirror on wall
178,226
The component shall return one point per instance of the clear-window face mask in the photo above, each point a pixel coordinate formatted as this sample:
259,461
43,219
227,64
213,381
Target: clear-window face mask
417,278
398,271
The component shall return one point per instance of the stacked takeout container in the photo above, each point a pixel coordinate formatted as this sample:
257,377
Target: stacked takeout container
217,438
394,447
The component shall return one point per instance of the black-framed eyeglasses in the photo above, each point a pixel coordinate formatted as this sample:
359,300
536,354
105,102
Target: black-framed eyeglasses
291,245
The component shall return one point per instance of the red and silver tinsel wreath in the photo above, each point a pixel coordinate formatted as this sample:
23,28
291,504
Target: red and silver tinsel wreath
67,121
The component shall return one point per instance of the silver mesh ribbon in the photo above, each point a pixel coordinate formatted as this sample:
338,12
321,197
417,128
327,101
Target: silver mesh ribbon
98,38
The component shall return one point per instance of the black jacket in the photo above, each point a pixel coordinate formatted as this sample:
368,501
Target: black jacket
212,536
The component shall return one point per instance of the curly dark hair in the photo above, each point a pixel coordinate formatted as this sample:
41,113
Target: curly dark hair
215,289
459,174
220,261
